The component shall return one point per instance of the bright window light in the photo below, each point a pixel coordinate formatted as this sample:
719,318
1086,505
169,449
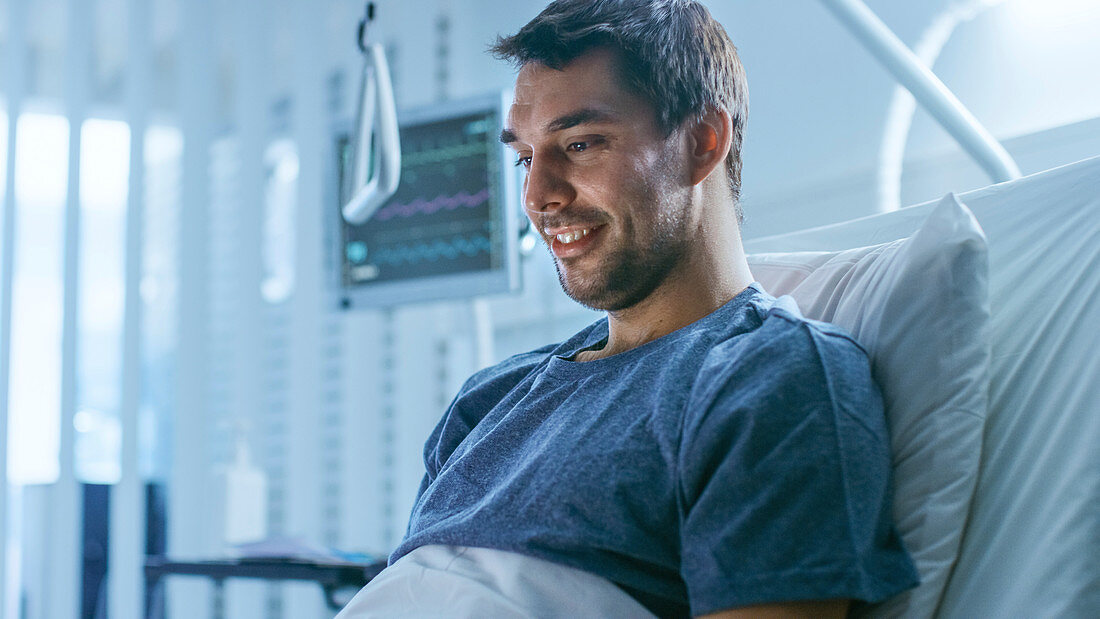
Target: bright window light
3,154
104,178
97,445
41,160
104,186
41,173
163,173
163,152
1051,11
163,145
104,165
280,211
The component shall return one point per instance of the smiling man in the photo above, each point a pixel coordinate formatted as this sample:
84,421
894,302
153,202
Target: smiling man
704,449
639,222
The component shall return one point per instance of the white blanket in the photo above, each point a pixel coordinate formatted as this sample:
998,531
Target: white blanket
459,581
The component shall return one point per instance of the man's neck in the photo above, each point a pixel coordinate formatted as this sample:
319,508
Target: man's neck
689,294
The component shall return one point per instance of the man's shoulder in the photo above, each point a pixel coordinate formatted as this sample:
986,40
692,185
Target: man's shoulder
786,370
780,335
785,354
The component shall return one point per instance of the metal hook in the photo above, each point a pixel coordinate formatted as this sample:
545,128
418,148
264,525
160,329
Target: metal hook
367,18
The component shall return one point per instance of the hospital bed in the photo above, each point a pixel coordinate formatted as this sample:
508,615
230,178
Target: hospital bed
980,313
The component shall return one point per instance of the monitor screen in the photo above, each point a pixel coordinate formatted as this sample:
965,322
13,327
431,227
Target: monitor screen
451,228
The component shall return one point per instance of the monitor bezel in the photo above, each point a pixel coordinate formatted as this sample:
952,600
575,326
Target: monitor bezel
503,280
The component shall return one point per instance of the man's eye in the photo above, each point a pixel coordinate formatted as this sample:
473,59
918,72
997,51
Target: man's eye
578,147
523,161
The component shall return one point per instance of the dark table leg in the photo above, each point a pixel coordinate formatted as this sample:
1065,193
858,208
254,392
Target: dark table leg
219,598
152,597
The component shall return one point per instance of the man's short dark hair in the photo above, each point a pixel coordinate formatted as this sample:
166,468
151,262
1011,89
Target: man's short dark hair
672,52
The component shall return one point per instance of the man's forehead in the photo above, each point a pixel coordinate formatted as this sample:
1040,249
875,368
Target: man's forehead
595,70
586,90
540,89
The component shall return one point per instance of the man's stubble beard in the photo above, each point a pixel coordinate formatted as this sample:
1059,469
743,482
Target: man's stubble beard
631,274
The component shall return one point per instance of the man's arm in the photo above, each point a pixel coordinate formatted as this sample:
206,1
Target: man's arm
786,610
784,477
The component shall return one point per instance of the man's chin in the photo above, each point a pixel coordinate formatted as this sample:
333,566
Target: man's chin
599,297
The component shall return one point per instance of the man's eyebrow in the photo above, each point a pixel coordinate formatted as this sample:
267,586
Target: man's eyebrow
579,117
572,119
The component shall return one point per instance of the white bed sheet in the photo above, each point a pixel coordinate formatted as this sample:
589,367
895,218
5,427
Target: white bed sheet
1032,545
460,581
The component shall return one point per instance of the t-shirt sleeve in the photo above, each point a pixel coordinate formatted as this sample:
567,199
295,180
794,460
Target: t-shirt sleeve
478,395
448,433
784,477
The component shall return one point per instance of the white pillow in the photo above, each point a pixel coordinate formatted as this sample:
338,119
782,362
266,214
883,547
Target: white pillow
920,308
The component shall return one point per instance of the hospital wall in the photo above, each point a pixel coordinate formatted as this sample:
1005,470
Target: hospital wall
237,318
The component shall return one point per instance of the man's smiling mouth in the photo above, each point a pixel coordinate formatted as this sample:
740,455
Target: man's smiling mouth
570,242
569,237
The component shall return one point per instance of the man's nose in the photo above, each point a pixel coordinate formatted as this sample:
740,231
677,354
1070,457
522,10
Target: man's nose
546,186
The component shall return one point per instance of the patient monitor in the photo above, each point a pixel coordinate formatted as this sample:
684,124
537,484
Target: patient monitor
451,228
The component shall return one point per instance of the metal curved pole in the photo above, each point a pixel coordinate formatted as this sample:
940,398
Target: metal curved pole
376,178
927,89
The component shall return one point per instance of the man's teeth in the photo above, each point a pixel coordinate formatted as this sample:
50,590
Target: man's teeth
569,237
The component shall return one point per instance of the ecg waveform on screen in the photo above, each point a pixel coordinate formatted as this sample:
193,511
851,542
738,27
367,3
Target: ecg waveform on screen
446,153
446,218
433,251
420,206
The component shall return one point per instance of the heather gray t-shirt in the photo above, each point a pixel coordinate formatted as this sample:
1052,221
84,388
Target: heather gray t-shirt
739,460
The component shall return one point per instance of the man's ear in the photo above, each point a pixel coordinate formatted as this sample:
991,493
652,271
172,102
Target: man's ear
710,138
